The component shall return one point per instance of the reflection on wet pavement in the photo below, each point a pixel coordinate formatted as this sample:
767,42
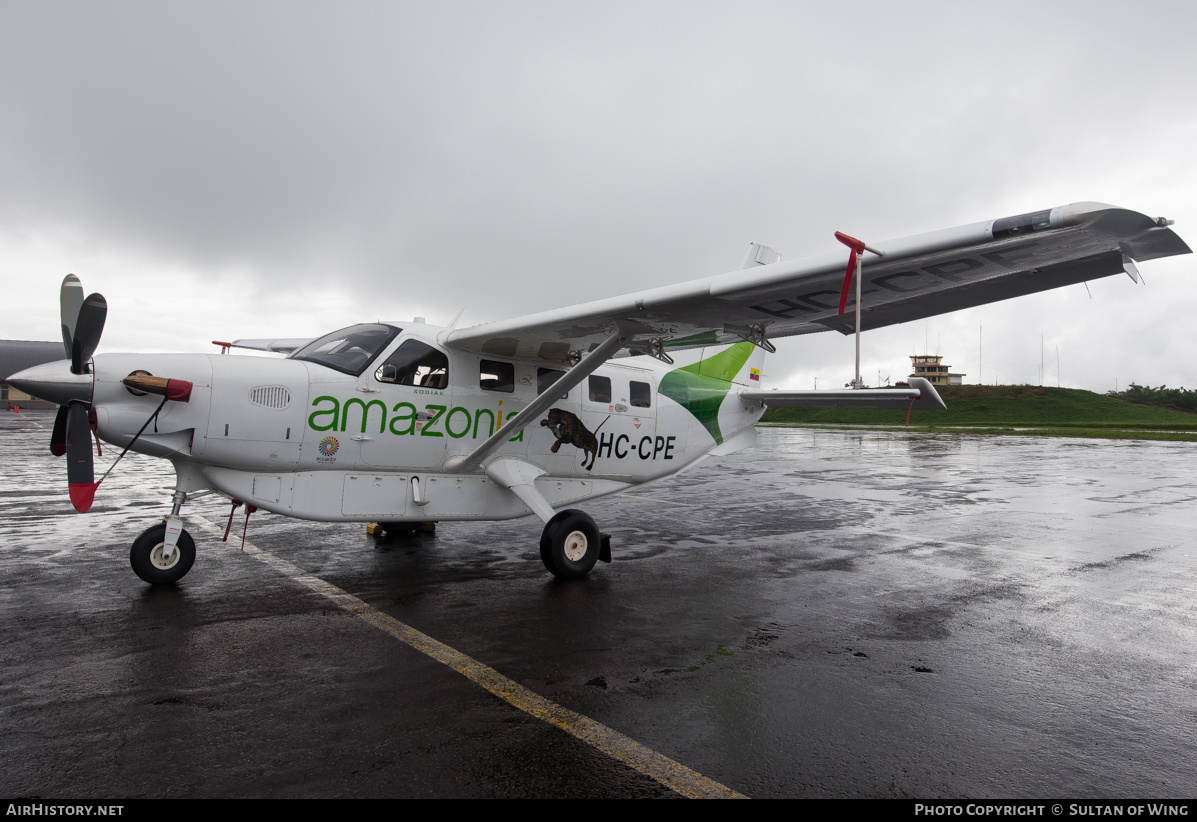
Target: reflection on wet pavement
834,613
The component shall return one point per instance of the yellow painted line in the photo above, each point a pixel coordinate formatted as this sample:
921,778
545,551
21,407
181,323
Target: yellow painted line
657,766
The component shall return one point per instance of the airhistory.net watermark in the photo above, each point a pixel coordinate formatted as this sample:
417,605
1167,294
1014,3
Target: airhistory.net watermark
47,809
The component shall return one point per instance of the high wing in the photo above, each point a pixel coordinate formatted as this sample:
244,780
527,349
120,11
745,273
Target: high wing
914,277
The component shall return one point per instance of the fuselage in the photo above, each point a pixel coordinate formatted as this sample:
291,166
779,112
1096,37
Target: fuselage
371,439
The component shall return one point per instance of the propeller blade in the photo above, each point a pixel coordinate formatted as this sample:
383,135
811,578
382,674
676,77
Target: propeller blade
70,300
80,473
59,437
88,329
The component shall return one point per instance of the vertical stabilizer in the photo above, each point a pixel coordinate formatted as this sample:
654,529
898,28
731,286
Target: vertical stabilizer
701,388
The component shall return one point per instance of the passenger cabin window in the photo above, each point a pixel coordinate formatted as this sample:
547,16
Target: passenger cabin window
496,376
546,377
350,349
415,363
641,394
600,388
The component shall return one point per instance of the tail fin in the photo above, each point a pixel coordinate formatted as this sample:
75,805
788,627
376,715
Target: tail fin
701,388
739,363
752,369
735,363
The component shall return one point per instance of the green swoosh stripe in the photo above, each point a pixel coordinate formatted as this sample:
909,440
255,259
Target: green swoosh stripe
701,387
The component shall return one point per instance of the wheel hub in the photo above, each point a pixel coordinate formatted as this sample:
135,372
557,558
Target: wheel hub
161,561
575,546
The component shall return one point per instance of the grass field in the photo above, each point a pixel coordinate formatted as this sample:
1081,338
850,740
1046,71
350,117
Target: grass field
1015,409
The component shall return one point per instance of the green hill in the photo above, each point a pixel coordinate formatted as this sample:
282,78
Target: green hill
999,408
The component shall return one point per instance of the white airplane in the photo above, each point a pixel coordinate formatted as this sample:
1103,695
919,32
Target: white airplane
403,423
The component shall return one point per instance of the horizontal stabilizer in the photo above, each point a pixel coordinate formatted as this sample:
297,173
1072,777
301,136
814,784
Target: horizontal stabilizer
920,394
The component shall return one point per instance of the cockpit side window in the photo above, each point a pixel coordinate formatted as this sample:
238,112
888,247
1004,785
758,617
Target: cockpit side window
415,363
349,350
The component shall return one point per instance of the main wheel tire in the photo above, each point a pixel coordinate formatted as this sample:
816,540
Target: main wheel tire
146,556
569,544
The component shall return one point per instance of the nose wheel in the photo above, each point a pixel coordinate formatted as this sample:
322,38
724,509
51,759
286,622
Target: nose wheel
571,544
157,564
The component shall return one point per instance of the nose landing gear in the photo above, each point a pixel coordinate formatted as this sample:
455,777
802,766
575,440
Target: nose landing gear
164,553
157,564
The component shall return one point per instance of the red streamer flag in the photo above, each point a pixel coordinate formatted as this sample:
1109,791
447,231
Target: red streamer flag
857,247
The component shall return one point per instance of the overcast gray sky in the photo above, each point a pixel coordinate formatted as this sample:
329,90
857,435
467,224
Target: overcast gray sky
251,169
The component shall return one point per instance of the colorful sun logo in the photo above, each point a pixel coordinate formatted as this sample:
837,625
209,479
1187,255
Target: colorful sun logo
329,446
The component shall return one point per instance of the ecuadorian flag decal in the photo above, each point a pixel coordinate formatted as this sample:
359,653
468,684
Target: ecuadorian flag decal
754,374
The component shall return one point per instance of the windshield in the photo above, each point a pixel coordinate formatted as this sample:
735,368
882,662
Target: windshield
350,349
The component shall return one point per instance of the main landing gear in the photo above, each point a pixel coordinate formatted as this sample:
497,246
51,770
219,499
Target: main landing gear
571,543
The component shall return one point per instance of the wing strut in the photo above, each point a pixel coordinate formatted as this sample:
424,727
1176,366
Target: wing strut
518,421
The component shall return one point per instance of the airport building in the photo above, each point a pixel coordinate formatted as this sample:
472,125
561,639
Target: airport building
17,355
931,368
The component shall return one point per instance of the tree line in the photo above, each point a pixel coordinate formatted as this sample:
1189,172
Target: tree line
1180,399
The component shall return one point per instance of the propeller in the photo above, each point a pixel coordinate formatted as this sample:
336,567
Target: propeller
88,329
80,470
70,300
58,437
82,325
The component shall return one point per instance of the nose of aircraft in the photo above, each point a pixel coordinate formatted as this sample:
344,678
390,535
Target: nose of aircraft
54,381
